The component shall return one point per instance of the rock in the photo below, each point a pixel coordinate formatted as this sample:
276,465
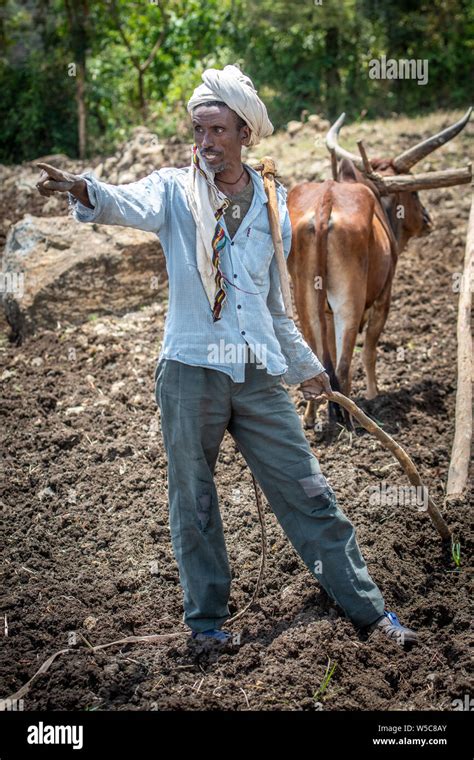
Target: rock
125,177
126,160
52,205
116,387
58,270
293,127
140,155
90,622
58,160
46,492
74,410
318,123
140,170
318,171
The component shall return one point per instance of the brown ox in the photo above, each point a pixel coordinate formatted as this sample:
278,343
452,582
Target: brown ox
345,244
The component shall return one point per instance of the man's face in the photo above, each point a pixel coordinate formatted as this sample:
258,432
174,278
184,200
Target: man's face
217,136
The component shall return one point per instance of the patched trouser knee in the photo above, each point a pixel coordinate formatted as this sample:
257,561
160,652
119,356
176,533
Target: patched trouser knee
307,509
308,479
204,503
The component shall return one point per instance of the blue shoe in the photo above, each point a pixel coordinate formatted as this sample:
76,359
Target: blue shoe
391,626
212,634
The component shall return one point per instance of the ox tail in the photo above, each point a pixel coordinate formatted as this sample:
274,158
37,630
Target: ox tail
322,228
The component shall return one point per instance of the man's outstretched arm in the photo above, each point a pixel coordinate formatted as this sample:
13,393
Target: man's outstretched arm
141,204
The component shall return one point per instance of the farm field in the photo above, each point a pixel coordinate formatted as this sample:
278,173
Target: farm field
86,539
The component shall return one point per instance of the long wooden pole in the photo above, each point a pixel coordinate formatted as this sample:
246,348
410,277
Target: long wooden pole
398,452
268,169
460,455
424,181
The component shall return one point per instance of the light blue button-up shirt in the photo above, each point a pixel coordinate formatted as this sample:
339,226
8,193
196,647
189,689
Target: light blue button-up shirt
253,312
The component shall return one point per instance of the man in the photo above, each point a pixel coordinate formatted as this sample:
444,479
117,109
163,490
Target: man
227,347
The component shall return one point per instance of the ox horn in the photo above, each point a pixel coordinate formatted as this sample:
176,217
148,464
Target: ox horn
410,157
333,145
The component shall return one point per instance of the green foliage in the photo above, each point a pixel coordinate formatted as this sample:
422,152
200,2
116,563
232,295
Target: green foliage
300,55
456,553
322,688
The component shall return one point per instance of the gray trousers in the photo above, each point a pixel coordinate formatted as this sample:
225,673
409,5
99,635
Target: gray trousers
197,405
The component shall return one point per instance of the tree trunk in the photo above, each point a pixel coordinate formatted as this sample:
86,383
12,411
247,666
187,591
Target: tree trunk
333,79
77,14
81,108
141,94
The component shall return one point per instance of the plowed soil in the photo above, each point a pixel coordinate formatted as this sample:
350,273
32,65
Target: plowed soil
87,547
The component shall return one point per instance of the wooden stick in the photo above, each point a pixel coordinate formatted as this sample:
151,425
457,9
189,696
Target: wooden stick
365,160
406,462
47,664
333,164
426,181
268,169
460,455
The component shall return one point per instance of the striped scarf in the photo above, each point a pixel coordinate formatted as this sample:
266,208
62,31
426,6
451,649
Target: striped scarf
207,204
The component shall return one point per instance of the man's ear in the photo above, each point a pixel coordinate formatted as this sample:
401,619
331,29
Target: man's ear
247,134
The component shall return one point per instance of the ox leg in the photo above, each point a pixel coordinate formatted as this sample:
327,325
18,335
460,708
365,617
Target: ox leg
335,415
346,336
309,415
377,318
347,288
331,337
305,299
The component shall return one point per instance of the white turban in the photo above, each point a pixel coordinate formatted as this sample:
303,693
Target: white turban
237,91
206,201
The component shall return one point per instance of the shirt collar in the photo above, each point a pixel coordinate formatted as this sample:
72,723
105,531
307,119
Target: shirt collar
257,183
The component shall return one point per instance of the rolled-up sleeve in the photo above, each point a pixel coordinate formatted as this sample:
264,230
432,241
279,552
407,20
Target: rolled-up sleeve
302,362
141,204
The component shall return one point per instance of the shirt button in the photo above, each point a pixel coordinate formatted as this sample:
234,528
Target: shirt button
239,306
232,242
235,275
242,332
